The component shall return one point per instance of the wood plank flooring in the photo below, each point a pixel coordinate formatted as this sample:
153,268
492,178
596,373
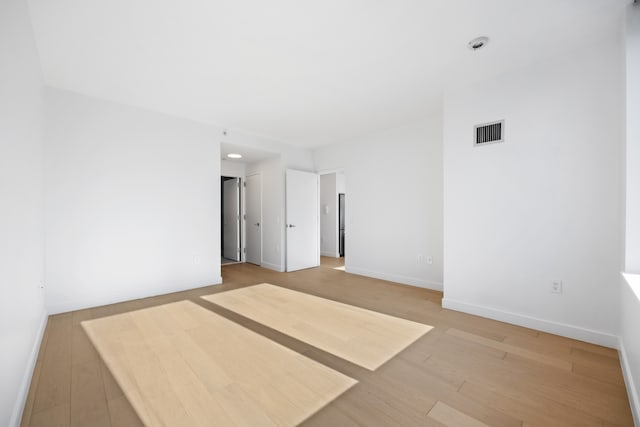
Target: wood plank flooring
184,363
364,337
466,370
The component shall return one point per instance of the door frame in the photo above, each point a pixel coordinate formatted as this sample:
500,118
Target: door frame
341,244
244,218
240,242
337,171
243,221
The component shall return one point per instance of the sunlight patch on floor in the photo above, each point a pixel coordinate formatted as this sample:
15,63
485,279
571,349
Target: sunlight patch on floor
364,337
181,364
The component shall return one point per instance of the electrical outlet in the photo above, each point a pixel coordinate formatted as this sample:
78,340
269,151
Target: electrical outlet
429,260
556,287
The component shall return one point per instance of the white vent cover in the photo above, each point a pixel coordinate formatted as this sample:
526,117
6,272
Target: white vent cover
489,133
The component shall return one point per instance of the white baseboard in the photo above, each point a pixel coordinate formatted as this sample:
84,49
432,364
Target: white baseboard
632,389
23,392
330,254
557,328
68,306
270,266
413,281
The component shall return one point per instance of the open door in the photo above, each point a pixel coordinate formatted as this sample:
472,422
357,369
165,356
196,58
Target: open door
253,200
341,222
303,225
231,219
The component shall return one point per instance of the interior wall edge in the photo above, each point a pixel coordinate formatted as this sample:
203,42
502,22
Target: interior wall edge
23,392
98,302
570,331
271,266
630,384
405,280
629,344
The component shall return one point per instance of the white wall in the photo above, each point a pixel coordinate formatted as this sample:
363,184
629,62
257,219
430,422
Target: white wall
234,169
341,183
632,232
272,175
329,215
545,204
132,203
394,203
291,156
272,171
630,293
22,314
629,342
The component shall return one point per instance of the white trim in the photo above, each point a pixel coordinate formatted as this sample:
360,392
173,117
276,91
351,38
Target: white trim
244,255
632,390
633,280
318,233
329,171
97,302
557,328
243,219
274,267
330,254
23,392
405,280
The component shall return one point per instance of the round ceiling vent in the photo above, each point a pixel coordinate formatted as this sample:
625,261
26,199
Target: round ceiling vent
478,43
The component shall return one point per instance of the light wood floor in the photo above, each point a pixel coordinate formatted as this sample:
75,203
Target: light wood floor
467,371
364,337
181,364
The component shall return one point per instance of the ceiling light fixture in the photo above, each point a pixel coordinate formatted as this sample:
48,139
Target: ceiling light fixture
234,156
478,43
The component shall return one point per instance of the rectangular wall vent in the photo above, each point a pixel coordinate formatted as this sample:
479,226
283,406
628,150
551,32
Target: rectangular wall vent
489,133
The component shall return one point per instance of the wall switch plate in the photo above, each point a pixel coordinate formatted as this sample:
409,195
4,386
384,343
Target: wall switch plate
429,260
556,287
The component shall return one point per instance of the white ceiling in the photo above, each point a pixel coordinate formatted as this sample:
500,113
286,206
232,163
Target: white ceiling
249,154
305,72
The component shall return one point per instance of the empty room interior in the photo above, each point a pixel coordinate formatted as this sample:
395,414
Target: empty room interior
329,213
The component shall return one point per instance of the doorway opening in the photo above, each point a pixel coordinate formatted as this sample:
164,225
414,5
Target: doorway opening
341,200
253,216
230,220
332,214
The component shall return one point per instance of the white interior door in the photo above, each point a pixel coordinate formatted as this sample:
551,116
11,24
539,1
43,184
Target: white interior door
231,219
303,226
253,201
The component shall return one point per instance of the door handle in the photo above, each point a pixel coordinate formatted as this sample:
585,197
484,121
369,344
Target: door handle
257,224
291,225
